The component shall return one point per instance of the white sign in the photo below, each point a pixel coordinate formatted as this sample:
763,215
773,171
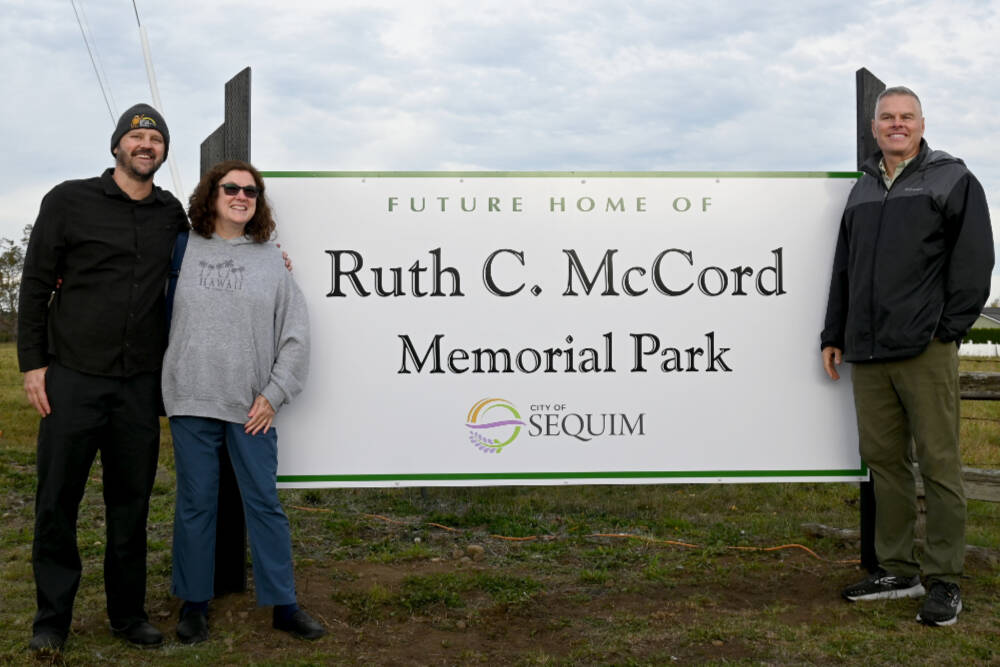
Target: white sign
547,328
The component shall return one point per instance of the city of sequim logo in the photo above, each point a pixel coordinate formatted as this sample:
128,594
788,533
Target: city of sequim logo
493,424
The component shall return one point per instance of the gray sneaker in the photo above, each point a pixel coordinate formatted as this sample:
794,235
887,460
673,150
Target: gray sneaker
942,605
880,585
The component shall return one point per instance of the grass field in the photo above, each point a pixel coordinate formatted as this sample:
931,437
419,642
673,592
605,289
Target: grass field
630,575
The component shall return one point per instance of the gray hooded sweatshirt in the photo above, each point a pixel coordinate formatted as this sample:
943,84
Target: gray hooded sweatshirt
240,328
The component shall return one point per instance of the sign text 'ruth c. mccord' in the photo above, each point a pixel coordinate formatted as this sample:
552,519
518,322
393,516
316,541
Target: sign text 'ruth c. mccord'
670,272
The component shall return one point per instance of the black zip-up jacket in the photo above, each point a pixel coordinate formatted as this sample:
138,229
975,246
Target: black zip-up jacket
112,253
912,263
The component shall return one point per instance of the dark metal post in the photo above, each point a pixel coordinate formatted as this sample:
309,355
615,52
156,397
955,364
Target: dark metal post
236,130
868,86
230,141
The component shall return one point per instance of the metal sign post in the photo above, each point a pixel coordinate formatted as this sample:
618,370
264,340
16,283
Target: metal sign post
868,87
230,141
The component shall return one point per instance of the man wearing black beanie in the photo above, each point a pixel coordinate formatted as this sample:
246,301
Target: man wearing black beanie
91,352
141,117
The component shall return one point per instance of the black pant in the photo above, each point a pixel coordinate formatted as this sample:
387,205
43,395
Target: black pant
118,417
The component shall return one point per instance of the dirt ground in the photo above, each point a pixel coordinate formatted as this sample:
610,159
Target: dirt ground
757,607
553,626
559,622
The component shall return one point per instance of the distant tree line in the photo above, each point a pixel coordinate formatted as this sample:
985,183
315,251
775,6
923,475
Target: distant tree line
11,263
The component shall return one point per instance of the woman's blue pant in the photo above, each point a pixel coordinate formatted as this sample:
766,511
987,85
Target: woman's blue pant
255,461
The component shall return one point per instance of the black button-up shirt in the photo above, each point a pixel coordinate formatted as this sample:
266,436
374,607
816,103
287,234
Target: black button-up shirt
112,254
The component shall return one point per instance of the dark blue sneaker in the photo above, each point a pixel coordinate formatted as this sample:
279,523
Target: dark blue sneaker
942,605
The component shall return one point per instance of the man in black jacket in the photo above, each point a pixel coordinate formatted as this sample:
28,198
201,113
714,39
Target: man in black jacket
911,274
91,353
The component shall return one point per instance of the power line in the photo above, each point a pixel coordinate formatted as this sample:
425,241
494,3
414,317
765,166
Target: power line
93,62
100,61
155,91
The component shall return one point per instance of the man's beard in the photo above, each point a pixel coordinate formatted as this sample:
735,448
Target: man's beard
128,166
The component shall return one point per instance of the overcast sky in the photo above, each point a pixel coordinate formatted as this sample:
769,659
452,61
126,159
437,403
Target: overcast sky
508,85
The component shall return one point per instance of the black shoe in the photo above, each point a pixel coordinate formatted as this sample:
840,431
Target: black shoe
880,585
301,625
46,641
140,633
193,628
942,605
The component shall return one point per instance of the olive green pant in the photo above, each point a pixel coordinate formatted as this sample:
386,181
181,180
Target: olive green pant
914,398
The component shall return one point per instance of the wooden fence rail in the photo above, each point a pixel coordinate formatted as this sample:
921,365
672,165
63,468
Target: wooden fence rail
979,386
979,484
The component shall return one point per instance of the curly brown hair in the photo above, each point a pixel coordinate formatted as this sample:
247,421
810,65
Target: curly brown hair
201,206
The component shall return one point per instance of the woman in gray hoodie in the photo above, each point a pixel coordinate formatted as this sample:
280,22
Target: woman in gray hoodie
239,350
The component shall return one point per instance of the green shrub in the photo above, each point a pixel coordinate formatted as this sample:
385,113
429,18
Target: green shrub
983,336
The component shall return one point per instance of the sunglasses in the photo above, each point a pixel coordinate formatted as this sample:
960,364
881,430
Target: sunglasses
231,190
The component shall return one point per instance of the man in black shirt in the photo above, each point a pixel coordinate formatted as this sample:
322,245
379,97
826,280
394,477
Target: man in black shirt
91,352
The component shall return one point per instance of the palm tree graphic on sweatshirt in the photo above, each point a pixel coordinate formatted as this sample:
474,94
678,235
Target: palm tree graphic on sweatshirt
224,275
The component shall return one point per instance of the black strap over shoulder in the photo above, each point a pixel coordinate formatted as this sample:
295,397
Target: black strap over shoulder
176,259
